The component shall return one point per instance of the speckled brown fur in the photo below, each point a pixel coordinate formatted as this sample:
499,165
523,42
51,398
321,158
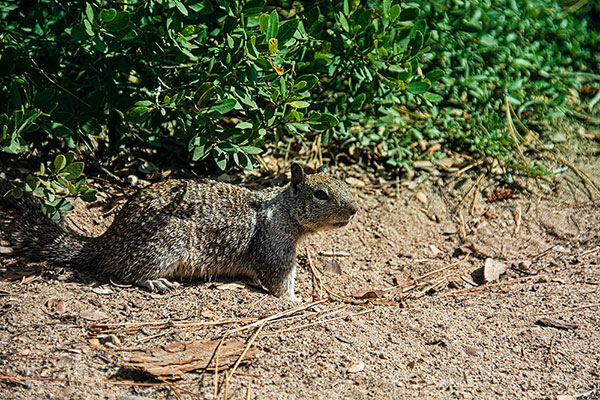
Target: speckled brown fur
182,229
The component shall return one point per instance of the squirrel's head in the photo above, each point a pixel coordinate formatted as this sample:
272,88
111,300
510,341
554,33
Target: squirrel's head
320,201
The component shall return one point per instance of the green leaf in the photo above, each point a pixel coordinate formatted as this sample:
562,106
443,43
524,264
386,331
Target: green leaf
119,23
273,44
251,149
89,12
220,158
15,94
223,106
15,192
395,12
432,97
299,104
435,75
409,14
88,195
73,170
415,44
7,61
253,7
107,15
273,26
287,30
43,97
70,156
79,33
418,87
358,101
138,114
181,7
251,73
244,125
99,44
263,22
309,82
59,163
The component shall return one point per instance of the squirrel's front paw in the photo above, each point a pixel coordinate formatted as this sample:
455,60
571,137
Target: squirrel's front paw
293,298
161,285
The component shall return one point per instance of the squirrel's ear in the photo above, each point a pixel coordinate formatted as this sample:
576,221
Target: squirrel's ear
322,169
297,174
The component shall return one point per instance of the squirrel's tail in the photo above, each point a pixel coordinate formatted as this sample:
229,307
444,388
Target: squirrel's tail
34,237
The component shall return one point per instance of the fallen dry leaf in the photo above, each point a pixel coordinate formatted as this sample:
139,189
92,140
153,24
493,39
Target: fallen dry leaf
555,323
210,314
57,305
411,364
368,294
93,315
434,250
421,197
94,342
356,366
333,266
492,270
403,282
171,361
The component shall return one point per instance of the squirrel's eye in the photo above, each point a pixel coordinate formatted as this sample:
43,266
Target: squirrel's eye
321,194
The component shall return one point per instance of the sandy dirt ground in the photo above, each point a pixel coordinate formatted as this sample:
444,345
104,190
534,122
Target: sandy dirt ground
432,329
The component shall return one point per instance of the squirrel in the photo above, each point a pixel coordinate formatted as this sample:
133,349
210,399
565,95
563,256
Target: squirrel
185,228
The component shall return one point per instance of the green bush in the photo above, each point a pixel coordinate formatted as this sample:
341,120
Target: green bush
529,51
212,78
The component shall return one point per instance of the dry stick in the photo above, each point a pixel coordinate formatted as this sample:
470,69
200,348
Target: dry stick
479,178
480,288
318,278
568,310
462,231
475,195
438,283
317,322
580,203
252,339
248,388
517,222
550,350
512,129
161,324
585,253
443,268
278,315
83,382
168,384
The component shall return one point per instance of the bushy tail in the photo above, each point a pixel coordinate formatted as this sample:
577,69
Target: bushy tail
33,236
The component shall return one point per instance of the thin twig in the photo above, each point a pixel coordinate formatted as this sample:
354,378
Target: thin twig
464,199
483,287
567,310
318,278
239,360
278,315
324,321
517,221
450,266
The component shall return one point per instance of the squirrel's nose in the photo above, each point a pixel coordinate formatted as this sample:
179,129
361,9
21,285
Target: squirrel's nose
353,208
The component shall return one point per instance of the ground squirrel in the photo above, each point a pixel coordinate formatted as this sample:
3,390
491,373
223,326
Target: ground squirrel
180,229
